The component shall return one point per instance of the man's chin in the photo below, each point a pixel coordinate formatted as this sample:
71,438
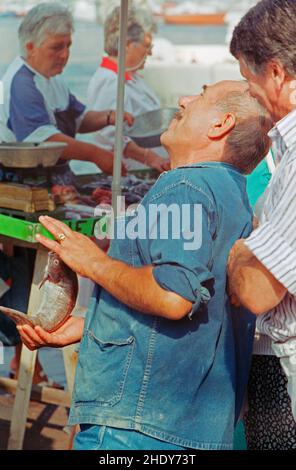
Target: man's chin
162,138
165,139
59,69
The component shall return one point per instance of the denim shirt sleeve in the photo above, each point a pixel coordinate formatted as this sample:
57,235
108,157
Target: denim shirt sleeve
183,264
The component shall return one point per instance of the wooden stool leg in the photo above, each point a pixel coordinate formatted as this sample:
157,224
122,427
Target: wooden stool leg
22,398
70,361
27,366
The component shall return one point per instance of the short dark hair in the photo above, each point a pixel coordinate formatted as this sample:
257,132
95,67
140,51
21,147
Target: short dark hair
248,143
266,32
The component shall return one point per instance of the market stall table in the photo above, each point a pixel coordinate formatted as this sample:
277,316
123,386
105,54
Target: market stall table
19,232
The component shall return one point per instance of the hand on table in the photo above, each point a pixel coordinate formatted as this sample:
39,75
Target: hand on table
158,163
127,117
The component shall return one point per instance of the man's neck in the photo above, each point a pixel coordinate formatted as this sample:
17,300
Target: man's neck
288,110
178,160
286,103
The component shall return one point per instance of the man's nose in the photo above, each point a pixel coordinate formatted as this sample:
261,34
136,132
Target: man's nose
185,100
149,50
65,53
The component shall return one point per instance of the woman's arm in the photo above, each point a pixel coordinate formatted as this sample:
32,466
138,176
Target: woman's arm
146,156
78,150
96,120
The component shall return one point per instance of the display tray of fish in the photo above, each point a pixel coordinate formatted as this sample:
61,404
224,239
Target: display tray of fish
132,188
59,294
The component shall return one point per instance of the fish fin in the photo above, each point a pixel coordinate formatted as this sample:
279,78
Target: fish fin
19,318
46,278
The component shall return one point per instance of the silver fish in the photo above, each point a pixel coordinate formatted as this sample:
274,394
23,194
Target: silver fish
58,297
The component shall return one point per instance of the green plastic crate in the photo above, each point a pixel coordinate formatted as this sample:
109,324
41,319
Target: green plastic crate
27,230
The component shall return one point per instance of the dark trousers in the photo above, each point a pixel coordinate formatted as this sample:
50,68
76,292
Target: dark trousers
269,423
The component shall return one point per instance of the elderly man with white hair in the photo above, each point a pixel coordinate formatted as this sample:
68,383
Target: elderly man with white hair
37,104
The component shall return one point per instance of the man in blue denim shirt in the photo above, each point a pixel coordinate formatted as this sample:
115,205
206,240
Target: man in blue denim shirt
164,359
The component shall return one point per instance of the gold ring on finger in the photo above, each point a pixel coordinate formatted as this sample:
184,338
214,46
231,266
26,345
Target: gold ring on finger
61,237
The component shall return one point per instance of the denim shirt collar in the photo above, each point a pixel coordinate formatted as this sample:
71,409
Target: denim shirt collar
206,164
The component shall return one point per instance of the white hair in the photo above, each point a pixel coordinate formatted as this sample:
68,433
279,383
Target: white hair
139,22
146,20
44,19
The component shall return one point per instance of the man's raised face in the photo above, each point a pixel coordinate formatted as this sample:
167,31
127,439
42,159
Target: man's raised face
199,114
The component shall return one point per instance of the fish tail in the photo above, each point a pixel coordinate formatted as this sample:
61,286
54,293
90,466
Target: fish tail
19,318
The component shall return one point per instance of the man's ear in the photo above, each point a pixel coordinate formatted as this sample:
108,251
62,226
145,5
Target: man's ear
220,129
29,47
276,72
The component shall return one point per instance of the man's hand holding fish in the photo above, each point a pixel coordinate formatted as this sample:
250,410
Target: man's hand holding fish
69,333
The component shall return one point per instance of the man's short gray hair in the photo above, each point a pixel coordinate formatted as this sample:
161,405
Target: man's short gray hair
266,32
138,23
248,143
44,19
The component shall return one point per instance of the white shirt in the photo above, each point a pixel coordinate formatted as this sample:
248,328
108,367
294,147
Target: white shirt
274,244
138,99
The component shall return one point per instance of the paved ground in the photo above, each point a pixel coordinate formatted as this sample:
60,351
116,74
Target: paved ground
45,425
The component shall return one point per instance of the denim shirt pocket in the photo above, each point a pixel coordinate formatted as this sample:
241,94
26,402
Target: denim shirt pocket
94,382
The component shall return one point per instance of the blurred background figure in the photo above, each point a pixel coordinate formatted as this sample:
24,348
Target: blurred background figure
39,107
139,98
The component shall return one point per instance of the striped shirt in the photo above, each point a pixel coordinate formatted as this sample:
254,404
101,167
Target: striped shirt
274,242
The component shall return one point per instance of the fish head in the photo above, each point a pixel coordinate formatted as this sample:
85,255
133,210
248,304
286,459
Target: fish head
55,269
57,272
